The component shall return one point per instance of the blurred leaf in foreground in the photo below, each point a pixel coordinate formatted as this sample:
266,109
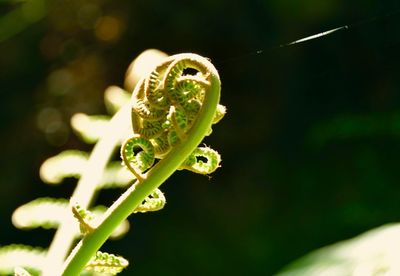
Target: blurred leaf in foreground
375,252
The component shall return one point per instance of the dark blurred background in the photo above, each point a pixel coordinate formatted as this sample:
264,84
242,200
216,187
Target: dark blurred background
310,144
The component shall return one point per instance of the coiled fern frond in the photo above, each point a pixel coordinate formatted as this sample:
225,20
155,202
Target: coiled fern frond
165,106
172,110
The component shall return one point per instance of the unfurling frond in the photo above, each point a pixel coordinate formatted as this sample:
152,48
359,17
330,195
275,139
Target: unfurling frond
203,160
84,217
18,255
137,162
165,106
219,114
107,263
172,109
154,202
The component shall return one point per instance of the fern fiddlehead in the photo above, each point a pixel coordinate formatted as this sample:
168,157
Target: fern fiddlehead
56,213
171,113
165,106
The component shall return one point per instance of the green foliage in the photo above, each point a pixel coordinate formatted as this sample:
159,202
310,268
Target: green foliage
154,202
106,263
18,255
195,163
21,17
19,271
89,128
375,252
71,163
171,113
169,108
137,163
85,219
115,98
165,106
49,213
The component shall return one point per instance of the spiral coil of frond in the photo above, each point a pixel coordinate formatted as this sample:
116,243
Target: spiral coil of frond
164,107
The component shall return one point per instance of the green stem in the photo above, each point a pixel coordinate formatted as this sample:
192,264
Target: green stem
132,198
86,189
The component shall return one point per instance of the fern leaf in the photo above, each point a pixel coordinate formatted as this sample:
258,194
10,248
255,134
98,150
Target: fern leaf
85,219
89,128
71,163
219,113
203,160
116,176
42,212
375,252
18,255
19,271
107,263
115,98
156,201
48,213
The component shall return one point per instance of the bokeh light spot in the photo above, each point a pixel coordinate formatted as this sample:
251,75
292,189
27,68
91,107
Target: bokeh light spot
108,28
